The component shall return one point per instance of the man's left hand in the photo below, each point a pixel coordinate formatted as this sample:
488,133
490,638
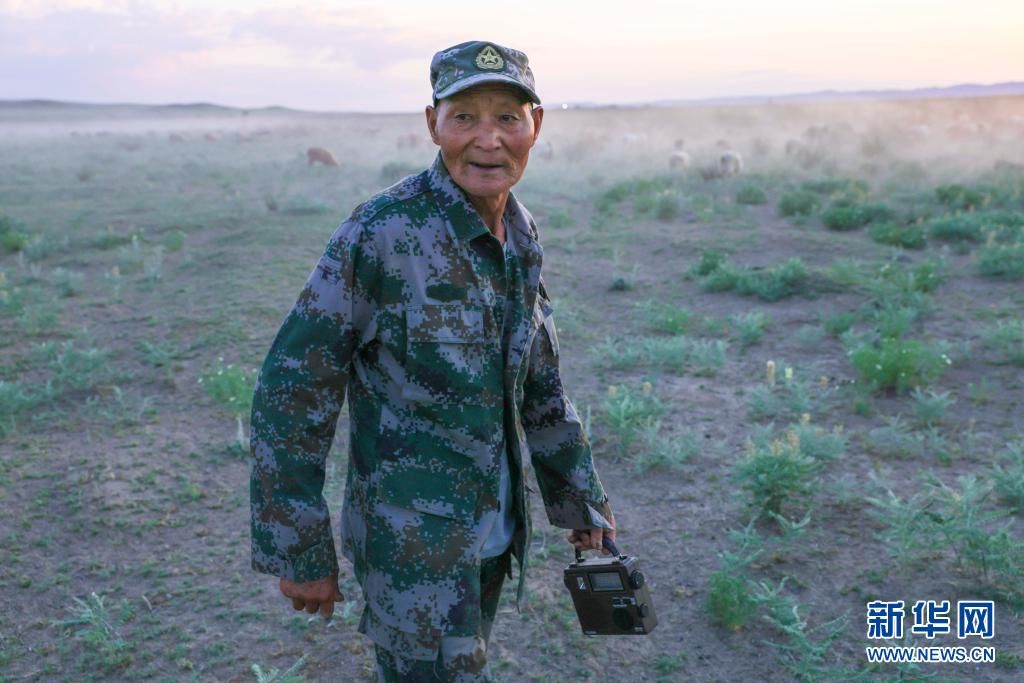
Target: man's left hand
314,596
592,539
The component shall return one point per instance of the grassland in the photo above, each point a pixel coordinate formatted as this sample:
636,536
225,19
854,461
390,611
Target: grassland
803,384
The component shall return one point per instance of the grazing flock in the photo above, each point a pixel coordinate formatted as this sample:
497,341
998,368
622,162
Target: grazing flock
720,143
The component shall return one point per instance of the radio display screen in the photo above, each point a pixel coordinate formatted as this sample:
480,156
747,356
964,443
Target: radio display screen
606,581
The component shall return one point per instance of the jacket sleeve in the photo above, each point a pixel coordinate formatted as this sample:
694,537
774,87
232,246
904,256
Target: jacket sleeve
559,449
298,396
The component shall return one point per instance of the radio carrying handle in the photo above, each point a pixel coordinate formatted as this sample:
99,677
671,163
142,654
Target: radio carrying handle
606,542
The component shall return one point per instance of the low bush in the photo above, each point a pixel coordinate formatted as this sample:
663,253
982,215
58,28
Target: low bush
628,413
778,282
799,203
960,520
230,386
959,228
961,198
729,603
777,474
752,195
667,318
1002,261
12,234
906,236
845,214
1006,339
898,364
831,186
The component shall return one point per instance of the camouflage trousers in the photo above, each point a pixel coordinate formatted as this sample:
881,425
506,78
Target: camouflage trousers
459,660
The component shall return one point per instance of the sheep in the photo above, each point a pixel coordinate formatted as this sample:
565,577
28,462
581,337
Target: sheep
730,163
679,159
320,155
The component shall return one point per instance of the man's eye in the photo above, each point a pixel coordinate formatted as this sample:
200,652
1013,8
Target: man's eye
462,117
509,117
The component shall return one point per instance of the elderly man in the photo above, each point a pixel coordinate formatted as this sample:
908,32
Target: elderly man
428,309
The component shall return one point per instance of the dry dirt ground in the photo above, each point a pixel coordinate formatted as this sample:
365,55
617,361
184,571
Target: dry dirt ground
148,248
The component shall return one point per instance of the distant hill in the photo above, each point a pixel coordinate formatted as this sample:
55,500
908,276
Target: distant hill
207,108
115,108
962,90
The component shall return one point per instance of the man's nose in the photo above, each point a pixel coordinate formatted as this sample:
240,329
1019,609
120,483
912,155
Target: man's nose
488,135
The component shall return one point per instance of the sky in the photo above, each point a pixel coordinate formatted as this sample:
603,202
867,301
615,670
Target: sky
345,55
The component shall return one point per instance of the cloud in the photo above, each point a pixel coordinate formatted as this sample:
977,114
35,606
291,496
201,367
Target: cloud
235,57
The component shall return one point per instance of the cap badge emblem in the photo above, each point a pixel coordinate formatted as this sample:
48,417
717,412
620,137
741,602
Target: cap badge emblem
489,58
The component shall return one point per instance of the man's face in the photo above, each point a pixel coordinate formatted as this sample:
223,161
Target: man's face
485,134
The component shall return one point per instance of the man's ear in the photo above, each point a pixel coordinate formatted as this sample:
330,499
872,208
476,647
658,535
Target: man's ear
431,114
538,118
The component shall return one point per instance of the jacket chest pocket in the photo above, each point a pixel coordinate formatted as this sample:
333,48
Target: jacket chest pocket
446,354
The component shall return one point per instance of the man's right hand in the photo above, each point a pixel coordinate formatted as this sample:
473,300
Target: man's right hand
314,596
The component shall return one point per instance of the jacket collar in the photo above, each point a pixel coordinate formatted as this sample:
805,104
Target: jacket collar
463,216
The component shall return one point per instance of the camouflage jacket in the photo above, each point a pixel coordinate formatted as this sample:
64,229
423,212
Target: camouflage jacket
395,315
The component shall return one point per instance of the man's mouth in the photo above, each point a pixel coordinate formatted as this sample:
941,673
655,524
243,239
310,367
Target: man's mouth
486,167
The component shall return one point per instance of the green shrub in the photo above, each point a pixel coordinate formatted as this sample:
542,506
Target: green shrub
710,261
665,452
960,198
1002,260
931,407
894,321
960,520
748,328
231,387
14,401
831,186
926,276
98,631
776,474
799,203
788,399
667,206
12,234
559,218
730,603
1006,339
839,323
667,318
703,357
898,364
723,279
628,413
68,282
778,282
844,214
1005,227
820,444
751,194
963,227
906,236
108,239
174,240
1009,475
843,217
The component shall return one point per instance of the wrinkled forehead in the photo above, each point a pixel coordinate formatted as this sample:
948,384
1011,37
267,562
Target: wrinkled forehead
490,91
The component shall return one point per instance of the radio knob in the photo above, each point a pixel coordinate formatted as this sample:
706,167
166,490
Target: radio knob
636,580
642,611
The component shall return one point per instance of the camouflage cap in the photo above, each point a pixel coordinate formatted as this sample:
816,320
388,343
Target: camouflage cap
467,64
